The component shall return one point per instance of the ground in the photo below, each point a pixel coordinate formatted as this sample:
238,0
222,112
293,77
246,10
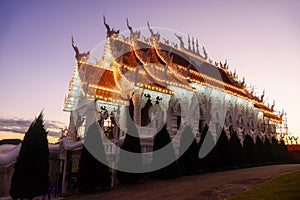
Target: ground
216,185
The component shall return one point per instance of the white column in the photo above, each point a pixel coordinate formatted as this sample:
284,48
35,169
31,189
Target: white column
72,132
137,106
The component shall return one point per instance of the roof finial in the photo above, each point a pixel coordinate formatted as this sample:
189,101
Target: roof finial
189,42
181,41
129,27
193,43
273,105
243,81
205,52
79,55
110,32
156,35
197,46
151,31
75,47
262,96
133,35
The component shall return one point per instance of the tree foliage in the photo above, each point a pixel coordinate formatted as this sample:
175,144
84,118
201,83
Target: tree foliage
188,155
250,152
210,161
162,140
93,174
30,177
236,158
223,151
130,161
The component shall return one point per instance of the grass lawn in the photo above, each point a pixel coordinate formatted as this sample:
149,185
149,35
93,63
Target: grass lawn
283,187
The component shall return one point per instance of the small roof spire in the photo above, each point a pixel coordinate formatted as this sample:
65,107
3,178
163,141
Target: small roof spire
77,52
197,46
156,35
127,23
110,32
133,34
189,42
205,52
193,43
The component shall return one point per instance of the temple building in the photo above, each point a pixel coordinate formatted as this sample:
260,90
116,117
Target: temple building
162,82
159,82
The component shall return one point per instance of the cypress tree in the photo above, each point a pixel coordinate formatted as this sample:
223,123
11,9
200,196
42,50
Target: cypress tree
212,160
236,151
92,173
223,150
268,154
30,177
130,161
188,157
161,139
285,156
250,152
209,162
204,131
275,150
261,154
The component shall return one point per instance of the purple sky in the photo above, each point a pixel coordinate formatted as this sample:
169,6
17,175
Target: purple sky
260,39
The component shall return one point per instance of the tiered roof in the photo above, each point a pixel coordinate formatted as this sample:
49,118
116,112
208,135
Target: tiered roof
155,65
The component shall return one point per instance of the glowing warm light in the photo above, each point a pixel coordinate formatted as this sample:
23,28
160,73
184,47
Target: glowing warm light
173,70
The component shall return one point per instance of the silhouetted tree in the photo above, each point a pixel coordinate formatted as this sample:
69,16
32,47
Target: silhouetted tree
210,161
223,151
250,152
30,177
236,151
204,130
93,173
261,155
162,140
189,155
130,161
275,150
267,152
284,155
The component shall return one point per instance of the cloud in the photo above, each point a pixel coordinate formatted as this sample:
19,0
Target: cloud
20,125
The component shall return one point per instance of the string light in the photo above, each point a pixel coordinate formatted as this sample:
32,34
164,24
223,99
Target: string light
155,53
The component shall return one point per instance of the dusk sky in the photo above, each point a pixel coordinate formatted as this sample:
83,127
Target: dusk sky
260,39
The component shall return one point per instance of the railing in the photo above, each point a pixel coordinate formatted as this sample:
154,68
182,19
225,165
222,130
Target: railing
110,148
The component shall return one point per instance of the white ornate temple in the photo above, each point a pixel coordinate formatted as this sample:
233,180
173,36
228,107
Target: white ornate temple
162,83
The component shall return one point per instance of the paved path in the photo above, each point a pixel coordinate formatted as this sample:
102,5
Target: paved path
217,185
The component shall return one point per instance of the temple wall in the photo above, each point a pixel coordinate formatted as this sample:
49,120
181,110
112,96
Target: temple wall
6,172
8,160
